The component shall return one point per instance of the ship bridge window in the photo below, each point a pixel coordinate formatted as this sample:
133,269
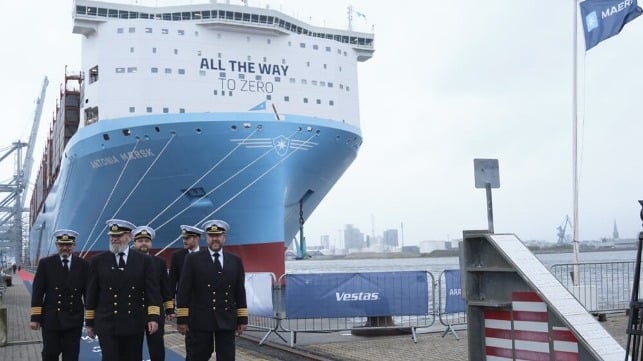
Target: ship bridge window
112,13
196,15
144,16
102,12
93,74
91,10
186,15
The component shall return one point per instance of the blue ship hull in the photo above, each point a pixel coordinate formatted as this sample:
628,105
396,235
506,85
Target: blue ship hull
167,170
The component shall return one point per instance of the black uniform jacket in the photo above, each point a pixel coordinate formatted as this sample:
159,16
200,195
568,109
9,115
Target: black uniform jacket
176,265
57,296
167,297
121,302
208,301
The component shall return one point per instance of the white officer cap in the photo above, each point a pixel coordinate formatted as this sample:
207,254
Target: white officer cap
65,236
187,231
143,232
215,226
119,226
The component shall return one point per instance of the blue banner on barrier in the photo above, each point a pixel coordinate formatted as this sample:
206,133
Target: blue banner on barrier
357,294
454,302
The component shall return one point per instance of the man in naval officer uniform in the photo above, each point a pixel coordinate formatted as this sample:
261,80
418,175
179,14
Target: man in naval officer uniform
57,299
211,300
123,297
191,236
143,236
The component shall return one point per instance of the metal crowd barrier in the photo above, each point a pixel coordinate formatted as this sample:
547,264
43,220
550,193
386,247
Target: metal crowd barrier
279,322
601,288
450,315
604,287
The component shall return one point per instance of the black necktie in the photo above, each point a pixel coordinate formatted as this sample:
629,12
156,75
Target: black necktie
121,260
217,264
66,264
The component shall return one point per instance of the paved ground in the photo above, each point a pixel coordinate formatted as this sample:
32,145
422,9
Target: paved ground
25,344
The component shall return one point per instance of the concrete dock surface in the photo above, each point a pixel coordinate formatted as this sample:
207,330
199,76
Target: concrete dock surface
25,344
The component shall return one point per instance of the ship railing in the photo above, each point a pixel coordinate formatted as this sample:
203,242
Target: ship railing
601,287
366,303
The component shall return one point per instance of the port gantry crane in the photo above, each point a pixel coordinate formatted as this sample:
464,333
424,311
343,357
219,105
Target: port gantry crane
14,242
562,237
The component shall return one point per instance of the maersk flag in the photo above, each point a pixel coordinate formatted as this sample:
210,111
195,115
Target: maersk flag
603,19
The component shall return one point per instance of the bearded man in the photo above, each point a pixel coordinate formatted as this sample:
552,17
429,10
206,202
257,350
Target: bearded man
123,297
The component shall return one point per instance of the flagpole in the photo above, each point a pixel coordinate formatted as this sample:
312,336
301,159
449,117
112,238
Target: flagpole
575,278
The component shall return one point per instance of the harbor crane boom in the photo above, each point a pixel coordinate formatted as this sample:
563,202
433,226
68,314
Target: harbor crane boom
562,239
26,174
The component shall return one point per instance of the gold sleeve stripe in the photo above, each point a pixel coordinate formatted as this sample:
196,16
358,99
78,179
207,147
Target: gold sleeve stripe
182,312
168,304
153,310
36,310
242,312
90,314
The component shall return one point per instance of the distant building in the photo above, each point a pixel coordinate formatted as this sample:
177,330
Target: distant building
353,238
324,241
390,238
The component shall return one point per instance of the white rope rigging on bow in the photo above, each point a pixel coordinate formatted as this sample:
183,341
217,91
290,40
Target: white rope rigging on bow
283,159
158,156
98,219
232,151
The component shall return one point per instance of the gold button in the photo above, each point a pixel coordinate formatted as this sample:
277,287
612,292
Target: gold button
115,295
115,303
115,312
214,308
58,309
133,287
59,302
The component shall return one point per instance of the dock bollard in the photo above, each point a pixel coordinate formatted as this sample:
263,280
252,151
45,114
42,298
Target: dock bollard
3,326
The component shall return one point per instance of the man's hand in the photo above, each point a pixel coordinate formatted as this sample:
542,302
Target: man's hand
152,327
35,326
241,328
183,329
90,332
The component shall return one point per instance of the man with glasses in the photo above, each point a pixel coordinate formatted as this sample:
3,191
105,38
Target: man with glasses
57,299
123,297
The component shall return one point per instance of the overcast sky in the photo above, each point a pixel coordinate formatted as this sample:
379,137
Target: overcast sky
450,81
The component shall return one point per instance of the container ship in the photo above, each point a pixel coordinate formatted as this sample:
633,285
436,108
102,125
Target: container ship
181,114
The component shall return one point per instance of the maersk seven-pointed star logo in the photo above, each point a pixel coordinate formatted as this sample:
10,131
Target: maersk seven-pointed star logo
281,145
